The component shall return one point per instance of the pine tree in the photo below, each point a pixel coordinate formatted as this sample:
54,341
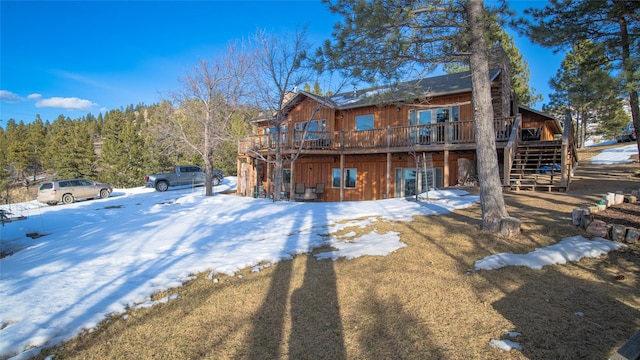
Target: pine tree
37,144
392,39
123,149
519,68
4,167
614,23
73,151
584,85
18,148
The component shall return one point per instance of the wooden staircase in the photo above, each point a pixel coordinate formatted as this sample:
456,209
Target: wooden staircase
537,165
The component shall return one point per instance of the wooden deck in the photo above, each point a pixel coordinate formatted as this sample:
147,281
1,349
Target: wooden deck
457,135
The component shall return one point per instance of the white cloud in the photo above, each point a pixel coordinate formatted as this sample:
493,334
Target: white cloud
34,96
71,103
10,97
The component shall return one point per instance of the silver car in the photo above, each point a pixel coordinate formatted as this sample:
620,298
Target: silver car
67,191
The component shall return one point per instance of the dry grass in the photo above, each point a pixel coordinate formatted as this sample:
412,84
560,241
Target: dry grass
421,302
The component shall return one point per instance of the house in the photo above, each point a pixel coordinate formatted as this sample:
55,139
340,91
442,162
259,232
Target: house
394,141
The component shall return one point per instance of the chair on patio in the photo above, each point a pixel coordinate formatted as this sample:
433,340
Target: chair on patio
298,192
319,190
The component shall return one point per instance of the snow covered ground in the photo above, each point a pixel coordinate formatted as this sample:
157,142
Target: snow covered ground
621,154
99,257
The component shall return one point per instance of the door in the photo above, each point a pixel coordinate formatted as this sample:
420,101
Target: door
190,175
406,182
421,119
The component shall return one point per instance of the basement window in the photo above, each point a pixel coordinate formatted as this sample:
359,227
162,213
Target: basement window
350,177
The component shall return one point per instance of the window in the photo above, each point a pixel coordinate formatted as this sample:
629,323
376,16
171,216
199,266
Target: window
350,177
272,133
455,113
433,116
364,122
286,176
314,132
427,119
408,181
335,182
442,115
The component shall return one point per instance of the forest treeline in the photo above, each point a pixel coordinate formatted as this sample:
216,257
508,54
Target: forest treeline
118,148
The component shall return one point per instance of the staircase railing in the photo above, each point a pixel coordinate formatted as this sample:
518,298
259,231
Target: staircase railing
510,149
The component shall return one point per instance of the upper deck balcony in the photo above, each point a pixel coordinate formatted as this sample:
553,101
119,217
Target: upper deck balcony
459,135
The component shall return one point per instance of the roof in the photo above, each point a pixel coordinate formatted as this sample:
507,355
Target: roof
557,128
536,112
393,93
433,86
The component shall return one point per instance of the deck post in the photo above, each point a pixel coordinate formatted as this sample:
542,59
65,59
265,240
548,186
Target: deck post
565,149
267,191
447,132
388,176
292,181
341,177
445,169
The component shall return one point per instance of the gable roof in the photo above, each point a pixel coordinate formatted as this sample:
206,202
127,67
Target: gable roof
526,108
395,93
433,86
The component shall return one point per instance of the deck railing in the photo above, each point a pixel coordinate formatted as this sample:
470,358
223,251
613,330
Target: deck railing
458,132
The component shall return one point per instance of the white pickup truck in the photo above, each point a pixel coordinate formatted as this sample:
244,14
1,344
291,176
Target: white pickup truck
182,175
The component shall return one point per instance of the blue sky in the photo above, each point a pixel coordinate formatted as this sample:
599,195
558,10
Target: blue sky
79,57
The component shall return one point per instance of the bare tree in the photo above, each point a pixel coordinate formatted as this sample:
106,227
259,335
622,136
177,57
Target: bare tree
202,111
281,68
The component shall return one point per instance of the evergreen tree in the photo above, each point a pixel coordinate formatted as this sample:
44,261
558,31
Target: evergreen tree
393,39
18,147
613,23
122,156
72,151
162,150
520,73
316,89
585,86
36,143
5,173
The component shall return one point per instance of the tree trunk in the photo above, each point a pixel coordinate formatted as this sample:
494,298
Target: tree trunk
628,70
492,201
278,164
583,131
208,177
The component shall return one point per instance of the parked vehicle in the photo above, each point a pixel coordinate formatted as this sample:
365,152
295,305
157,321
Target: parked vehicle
182,175
627,134
69,190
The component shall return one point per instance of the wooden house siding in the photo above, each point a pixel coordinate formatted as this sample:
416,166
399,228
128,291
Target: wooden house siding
376,154
302,113
371,182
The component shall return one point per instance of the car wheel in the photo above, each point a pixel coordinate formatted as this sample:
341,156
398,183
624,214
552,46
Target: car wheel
104,193
67,199
162,186
216,181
